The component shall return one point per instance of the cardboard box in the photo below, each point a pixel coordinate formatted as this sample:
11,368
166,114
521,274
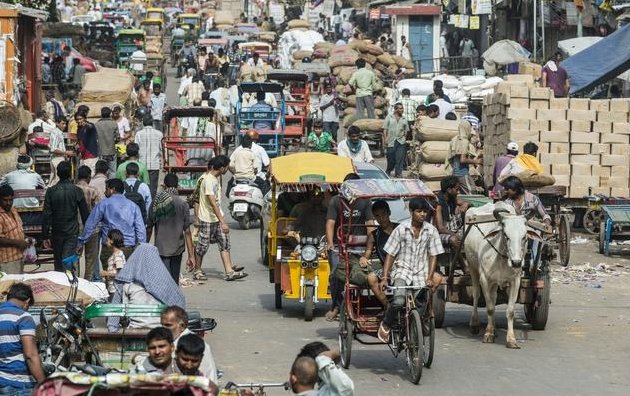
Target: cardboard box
586,159
602,127
619,192
559,103
519,103
614,138
621,127
579,104
539,104
582,169
554,158
519,123
559,148
599,148
555,137
584,137
580,126
611,160
551,114
620,149
521,114
540,93
562,180
600,105
560,169
539,125
559,125
622,104
519,91
581,115
580,148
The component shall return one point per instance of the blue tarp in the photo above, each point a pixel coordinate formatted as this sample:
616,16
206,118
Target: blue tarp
600,62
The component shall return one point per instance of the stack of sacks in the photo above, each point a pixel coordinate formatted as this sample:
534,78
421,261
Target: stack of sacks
459,89
429,149
298,24
153,45
296,40
224,20
253,74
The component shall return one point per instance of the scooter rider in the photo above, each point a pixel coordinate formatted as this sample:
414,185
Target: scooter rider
245,165
187,57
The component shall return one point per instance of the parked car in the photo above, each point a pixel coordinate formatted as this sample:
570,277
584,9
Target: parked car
397,205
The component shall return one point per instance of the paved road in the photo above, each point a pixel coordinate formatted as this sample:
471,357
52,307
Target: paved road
584,350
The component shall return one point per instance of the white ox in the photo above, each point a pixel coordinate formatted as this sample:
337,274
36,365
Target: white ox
494,253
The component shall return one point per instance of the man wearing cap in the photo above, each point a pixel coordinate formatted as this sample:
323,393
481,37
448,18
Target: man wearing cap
24,178
500,163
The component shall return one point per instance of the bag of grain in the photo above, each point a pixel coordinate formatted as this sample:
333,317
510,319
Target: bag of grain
434,151
298,23
343,60
430,172
369,58
417,86
359,45
433,129
368,125
386,59
403,62
301,54
348,120
374,50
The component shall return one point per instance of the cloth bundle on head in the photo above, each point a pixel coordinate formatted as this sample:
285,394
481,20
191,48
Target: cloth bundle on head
529,162
163,206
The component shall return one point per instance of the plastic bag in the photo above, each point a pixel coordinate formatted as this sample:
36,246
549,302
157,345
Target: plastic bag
30,253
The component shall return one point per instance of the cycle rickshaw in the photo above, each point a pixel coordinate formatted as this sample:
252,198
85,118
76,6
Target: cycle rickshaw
361,314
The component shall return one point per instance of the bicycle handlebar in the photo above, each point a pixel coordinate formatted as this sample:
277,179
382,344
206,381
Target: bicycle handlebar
407,287
260,385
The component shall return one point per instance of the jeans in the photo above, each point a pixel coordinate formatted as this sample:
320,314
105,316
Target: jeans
396,158
63,246
365,102
336,286
26,390
397,303
154,176
173,265
332,127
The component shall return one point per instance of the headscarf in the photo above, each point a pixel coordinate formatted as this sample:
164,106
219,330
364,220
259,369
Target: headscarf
551,65
163,206
22,165
353,146
460,144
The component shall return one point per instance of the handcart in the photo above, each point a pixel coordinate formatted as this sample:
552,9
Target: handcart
615,218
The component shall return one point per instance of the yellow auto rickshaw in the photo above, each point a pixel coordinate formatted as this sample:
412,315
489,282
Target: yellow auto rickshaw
156,13
297,261
190,19
153,27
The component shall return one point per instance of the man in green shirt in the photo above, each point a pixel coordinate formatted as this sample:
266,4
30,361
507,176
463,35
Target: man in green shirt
320,140
363,82
395,130
132,153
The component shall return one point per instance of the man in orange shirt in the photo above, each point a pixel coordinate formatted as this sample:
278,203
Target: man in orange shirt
12,241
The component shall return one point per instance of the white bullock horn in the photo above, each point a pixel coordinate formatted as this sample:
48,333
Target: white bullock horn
497,213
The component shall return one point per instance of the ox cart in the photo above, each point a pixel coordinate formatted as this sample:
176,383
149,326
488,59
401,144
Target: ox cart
553,197
535,284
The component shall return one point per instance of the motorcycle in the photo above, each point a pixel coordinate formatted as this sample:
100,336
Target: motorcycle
246,200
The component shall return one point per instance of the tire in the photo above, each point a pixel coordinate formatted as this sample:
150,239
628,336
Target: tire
439,307
564,240
244,222
602,238
345,337
591,221
264,250
309,304
278,296
414,350
537,312
428,342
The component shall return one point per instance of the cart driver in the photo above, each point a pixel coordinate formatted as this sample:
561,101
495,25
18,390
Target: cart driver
449,213
262,106
310,217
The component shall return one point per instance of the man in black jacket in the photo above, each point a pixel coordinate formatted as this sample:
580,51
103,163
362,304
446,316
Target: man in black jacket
62,205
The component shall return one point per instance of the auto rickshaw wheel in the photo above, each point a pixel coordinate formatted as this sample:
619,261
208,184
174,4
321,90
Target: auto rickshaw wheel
537,312
309,303
278,296
264,249
439,306
345,337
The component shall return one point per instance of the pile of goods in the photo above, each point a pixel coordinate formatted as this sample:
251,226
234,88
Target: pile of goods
106,87
458,89
224,20
582,143
296,44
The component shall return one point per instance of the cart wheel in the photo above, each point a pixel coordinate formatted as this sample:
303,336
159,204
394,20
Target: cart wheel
415,350
602,238
564,240
439,306
538,311
428,341
592,220
309,303
278,295
345,337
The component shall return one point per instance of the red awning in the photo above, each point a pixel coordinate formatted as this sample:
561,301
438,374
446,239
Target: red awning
417,9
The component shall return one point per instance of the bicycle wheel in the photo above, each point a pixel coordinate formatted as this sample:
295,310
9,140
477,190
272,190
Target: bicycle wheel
428,341
414,349
345,337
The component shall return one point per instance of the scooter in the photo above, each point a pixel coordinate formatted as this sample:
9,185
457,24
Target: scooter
245,201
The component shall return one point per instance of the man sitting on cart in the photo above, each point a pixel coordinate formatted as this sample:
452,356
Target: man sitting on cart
263,107
449,213
411,260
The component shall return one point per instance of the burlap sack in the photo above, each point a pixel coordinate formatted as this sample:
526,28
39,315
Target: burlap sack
386,59
95,108
325,45
223,17
369,58
374,49
531,179
432,129
107,85
343,49
434,152
298,23
368,125
432,172
352,100
347,59
402,62
320,53
348,120
346,73
301,54
379,102
359,45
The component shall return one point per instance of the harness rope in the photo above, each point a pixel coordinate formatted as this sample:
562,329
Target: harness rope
490,243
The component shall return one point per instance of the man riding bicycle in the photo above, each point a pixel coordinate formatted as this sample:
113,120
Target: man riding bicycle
412,251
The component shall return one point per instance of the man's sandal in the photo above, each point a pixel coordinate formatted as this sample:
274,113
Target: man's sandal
199,275
234,275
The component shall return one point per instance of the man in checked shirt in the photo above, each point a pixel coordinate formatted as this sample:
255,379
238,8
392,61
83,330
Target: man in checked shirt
412,251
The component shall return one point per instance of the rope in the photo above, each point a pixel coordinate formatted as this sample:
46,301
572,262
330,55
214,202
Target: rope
490,243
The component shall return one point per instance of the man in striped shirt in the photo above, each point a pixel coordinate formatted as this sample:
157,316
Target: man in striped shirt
20,364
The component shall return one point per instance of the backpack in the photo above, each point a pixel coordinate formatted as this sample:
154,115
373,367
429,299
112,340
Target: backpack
132,194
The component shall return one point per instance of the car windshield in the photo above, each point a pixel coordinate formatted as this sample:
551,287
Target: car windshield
371,173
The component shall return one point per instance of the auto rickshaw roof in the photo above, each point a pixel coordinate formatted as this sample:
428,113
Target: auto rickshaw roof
183,112
384,188
131,32
152,21
310,169
260,87
155,9
287,75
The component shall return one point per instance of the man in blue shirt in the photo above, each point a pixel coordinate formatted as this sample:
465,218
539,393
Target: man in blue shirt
262,107
20,364
115,212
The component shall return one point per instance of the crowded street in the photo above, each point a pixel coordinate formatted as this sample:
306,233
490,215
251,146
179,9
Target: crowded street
328,198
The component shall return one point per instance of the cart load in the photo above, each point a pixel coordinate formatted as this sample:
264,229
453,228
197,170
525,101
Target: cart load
107,85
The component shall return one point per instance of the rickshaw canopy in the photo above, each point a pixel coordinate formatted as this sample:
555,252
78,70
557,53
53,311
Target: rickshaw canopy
352,190
195,111
206,42
255,45
156,13
246,28
215,35
287,75
307,169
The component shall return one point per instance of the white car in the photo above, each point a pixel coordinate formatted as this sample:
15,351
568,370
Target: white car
397,205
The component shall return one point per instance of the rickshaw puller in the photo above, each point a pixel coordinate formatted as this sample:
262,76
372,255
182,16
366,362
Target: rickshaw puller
412,252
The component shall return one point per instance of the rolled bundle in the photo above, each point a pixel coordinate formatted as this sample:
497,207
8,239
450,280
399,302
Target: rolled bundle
369,125
434,151
432,172
298,23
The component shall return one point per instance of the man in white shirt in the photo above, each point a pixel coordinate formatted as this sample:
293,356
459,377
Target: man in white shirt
261,155
255,61
185,81
138,59
132,177
330,114
149,140
42,120
355,148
